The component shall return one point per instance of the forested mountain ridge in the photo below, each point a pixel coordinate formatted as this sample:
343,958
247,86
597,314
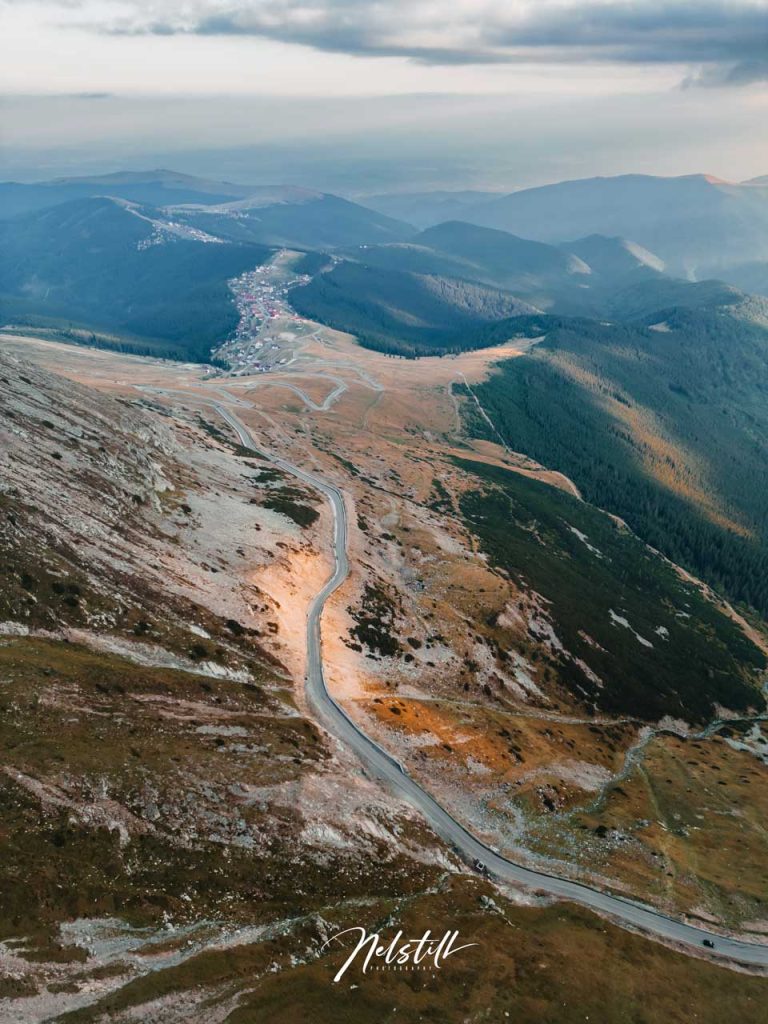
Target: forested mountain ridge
388,307
403,312
665,425
581,278
105,265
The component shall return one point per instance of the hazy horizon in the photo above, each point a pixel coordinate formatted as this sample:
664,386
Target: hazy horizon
358,97
379,144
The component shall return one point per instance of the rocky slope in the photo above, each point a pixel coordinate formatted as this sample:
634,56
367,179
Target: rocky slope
160,790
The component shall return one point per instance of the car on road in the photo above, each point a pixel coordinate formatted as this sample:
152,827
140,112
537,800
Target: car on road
708,943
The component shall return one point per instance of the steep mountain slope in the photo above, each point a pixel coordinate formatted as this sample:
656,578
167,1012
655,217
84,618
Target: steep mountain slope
104,522
697,225
586,277
664,425
306,220
404,312
624,630
110,265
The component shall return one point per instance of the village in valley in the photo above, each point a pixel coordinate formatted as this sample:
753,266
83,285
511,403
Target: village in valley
267,323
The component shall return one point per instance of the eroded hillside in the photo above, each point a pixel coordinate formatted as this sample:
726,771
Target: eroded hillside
160,789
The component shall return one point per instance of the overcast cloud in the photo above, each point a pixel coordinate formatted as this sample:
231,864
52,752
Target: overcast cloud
525,90
724,41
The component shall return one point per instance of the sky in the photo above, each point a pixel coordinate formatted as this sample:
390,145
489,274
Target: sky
370,95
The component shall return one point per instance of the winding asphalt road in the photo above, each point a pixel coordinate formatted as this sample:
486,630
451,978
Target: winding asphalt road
383,766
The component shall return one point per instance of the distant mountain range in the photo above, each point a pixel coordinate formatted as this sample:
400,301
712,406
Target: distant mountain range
148,255
584,277
271,215
310,220
157,188
425,209
698,225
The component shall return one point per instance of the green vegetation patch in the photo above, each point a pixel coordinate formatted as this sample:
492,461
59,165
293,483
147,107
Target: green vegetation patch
285,501
655,643
375,619
440,498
